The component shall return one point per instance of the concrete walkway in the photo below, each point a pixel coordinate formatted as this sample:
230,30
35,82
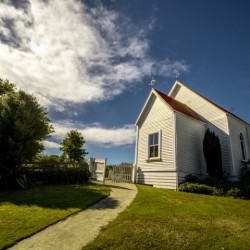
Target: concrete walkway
79,229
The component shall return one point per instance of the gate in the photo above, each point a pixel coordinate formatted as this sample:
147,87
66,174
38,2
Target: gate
97,168
122,174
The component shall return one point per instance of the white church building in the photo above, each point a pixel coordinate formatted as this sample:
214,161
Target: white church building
170,133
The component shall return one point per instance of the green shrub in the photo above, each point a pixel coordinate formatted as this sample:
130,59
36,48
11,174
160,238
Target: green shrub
58,176
218,191
219,183
245,177
191,178
235,192
212,154
108,168
219,187
46,161
196,188
246,192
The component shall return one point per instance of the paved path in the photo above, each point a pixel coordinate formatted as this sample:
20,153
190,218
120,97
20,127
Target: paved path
78,230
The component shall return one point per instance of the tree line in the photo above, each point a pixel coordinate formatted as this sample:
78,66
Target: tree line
24,125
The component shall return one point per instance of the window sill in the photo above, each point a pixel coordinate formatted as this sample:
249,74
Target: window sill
153,159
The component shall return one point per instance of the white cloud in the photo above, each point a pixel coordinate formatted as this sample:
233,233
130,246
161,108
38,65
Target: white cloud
51,144
64,52
93,133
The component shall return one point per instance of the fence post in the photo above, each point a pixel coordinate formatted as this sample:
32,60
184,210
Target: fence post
91,166
104,170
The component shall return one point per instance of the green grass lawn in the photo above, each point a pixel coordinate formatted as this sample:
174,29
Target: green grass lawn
25,212
165,219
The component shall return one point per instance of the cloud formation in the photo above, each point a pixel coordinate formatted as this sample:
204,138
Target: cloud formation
67,52
94,133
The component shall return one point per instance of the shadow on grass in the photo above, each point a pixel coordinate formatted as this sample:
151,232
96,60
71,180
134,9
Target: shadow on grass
58,196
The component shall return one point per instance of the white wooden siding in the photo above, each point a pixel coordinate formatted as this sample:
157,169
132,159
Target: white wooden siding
164,179
189,139
236,127
203,107
215,117
156,116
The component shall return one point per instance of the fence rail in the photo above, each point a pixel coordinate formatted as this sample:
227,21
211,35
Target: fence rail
45,165
122,174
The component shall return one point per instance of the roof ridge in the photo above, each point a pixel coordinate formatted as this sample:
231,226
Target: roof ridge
179,106
213,103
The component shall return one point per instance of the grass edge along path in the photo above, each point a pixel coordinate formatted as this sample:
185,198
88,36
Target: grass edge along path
165,219
25,212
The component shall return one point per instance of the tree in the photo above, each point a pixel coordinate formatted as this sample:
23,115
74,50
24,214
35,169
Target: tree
6,87
72,147
23,127
47,160
212,154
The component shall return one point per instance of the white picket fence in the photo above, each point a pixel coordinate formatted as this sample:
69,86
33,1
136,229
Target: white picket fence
122,174
97,168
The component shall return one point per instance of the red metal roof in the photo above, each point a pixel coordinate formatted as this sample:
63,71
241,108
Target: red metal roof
216,105
178,106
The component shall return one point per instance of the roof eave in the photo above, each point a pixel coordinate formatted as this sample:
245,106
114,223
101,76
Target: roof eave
214,104
238,119
153,91
144,106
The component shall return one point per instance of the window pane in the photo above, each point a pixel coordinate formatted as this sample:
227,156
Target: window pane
156,138
153,151
156,151
242,145
151,139
243,151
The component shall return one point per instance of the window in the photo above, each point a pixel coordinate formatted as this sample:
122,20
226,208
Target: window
153,145
242,146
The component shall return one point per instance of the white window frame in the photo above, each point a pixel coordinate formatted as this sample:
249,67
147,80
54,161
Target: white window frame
159,146
242,147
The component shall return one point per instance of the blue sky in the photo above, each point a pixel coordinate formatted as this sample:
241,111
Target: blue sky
90,62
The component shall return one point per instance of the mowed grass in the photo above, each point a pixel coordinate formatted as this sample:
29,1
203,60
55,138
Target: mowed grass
165,219
25,212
